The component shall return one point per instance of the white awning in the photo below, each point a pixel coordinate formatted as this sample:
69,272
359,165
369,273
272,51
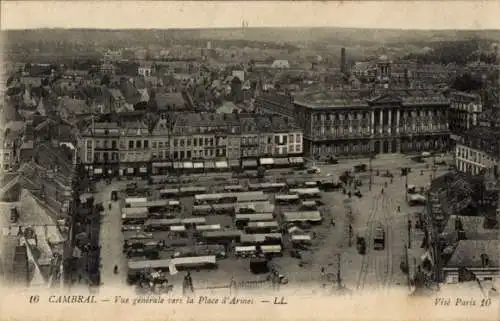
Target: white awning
143,170
97,170
300,237
178,228
296,160
221,164
177,165
239,249
198,165
130,170
188,165
266,161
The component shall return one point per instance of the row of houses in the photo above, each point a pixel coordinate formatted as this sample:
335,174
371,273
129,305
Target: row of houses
133,149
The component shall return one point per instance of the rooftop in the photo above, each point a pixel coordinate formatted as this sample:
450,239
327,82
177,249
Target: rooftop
468,253
172,101
362,97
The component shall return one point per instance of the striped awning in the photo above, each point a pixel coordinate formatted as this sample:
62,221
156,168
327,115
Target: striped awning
198,165
296,160
221,164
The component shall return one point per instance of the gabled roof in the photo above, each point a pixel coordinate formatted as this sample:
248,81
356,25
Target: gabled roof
468,253
74,106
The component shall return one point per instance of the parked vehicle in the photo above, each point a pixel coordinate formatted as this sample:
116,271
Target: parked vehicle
14,215
361,245
360,168
379,238
313,170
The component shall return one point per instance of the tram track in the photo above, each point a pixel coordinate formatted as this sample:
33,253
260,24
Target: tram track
386,210
366,259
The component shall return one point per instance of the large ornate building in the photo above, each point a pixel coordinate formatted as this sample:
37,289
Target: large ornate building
357,122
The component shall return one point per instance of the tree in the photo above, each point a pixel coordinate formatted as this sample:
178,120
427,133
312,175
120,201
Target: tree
466,82
105,80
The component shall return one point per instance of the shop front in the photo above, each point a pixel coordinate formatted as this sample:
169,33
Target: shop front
249,164
209,165
281,162
266,162
198,167
221,165
296,161
161,168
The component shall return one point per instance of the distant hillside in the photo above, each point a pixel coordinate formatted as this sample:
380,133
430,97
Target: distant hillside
340,36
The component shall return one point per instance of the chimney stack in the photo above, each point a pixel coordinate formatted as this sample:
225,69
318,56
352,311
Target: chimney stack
343,61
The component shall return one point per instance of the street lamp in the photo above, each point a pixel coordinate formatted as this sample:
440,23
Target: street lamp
371,171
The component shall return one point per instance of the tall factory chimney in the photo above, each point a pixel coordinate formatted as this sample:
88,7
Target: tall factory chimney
343,61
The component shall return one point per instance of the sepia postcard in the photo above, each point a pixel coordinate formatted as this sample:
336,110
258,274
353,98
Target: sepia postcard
249,160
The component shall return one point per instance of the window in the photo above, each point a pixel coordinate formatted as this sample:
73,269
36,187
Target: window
153,144
200,141
181,142
113,144
189,141
146,143
182,154
130,144
188,154
176,142
138,144
176,155
195,142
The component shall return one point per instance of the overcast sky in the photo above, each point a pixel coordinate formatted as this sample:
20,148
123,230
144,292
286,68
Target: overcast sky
155,14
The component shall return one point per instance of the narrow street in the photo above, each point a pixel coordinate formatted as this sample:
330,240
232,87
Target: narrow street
111,239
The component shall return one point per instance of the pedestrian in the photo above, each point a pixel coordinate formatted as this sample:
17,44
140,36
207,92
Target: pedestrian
399,208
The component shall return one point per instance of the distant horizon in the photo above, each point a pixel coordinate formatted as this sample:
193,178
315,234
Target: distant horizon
166,15
249,27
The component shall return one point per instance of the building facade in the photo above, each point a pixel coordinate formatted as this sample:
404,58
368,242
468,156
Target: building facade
477,149
109,149
464,111
9,152
384,124
189,142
